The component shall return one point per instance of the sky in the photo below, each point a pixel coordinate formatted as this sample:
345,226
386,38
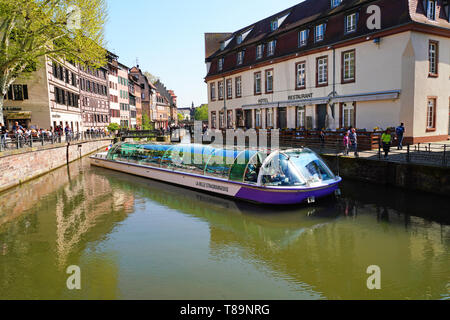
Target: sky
167,36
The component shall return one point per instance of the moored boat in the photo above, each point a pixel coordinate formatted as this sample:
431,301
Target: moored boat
262,176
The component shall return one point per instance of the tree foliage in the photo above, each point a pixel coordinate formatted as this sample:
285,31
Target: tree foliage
146,123
201,113
180,117
113,127
150,77
61,29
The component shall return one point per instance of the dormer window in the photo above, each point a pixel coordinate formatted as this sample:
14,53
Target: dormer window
350,22
259,51
431,9
335,3
220,64
240,57
239,39
222,46
303,38
274,25
271,48
320,32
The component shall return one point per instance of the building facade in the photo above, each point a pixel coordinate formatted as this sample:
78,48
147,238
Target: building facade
135,102
147,94
331,64
48,99
113,78
94,97
124,98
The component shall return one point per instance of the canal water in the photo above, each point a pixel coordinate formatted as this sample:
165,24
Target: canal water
134,238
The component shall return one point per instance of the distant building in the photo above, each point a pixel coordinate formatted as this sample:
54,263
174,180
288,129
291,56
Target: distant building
172,101
147,93
124,99
135,102
113,70
188,113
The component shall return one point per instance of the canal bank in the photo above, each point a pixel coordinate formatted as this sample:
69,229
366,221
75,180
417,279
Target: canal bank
22,165
427,178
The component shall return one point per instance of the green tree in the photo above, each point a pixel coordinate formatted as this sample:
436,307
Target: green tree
61,29
180,117
150,77
201,113
146,123
113,127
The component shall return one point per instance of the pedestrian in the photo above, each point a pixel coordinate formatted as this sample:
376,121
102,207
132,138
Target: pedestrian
322,139
400,132
4,135
354,141
17,127
346,142
386,140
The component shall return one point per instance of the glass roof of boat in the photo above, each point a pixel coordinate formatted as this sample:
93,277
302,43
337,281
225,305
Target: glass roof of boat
271,168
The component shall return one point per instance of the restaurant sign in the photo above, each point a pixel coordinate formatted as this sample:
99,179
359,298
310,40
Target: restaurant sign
300,96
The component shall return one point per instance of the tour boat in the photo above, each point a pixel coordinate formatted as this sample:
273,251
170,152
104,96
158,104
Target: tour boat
262,176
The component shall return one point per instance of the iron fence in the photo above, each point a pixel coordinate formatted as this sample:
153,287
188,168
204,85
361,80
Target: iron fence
18,141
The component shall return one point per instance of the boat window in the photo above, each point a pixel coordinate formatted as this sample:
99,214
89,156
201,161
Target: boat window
240,164
279,171
310,165
152,154
253,169
220,163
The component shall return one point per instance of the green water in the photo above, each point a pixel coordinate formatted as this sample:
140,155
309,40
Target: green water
138,239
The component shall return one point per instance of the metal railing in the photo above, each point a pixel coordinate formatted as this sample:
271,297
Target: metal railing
18,141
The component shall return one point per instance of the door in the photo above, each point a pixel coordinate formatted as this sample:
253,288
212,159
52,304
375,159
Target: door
282,118
321,113
248,119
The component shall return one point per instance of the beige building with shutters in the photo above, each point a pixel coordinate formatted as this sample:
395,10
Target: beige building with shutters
325,64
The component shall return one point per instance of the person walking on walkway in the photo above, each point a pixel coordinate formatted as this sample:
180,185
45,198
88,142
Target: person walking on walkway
400,131
4,134
346,142
354,141
386,140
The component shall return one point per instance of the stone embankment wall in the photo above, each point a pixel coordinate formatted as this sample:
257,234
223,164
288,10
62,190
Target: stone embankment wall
19,166
431,179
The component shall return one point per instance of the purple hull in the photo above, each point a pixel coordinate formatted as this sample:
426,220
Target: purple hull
273,197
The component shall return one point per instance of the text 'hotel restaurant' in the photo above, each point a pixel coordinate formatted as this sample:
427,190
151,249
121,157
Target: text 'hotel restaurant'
330,64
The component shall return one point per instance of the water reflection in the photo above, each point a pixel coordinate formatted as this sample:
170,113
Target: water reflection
82,217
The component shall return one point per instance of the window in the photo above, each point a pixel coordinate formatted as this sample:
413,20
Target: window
322,71
271,48
269,118
220,64
18,92
303,38
350,22
259,51
431,9
220,90
274,25
240,57
239,39
348,115
348,66
320,31
229,89
431,114
301,116
269,81
238,87
257,83
300,72
433,58
221,120
335,3
213,120
258,118
213,91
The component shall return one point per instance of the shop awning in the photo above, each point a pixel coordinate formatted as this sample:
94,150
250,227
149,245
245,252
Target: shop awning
373,96
260,106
